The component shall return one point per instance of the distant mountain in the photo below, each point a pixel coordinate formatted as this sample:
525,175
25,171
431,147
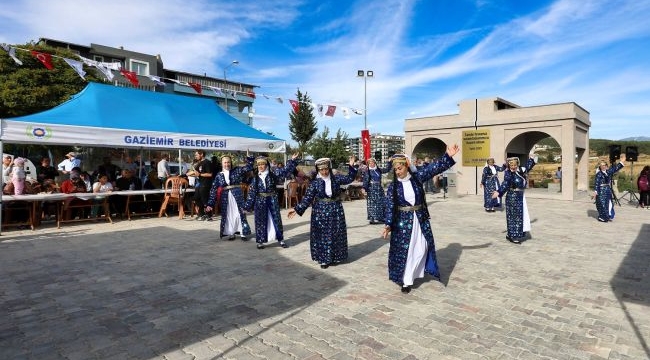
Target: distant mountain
636,138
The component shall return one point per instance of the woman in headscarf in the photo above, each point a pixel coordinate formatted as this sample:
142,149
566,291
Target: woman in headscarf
515,181
490,183
263,198
412,250
328,238
229,180
375,196
603,189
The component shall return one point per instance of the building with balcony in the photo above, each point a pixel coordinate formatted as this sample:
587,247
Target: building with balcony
382,147
234,97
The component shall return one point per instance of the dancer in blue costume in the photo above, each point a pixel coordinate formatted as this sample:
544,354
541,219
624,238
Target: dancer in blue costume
515,181
490,183
233,218
412,250
375,196
328,237
603,189
263,198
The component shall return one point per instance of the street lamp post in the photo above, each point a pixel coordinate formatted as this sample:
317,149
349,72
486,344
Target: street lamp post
365,75
234,62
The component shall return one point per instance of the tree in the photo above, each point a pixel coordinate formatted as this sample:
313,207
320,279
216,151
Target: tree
30,88
303,123
334,148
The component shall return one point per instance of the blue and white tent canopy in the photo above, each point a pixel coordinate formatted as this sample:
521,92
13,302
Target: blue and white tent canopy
110,116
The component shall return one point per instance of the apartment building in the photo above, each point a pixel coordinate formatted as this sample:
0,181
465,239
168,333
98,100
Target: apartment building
382,147
237,100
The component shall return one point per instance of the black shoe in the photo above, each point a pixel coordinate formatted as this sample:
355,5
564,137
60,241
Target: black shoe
406,289
602,220
201,218
508,238
324,266
516,241
244,238
231,237
260,246
283,244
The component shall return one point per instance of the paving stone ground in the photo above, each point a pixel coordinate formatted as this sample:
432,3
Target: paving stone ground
170,289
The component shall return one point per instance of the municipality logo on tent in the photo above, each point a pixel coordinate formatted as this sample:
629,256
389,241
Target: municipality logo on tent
38,132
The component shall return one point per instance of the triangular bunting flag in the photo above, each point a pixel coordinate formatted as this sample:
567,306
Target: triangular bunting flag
320,110
196,87
131,76
233,94
216,90
279,99
108,73
44,58
265,96
76,66
156,79
295,105
357,111
12,53
346,113
331,109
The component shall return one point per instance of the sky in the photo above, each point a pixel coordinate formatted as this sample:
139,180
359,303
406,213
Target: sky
426,56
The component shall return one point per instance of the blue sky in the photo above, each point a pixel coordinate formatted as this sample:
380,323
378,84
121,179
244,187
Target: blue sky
426,55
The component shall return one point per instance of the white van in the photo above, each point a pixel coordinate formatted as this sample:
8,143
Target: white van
30,169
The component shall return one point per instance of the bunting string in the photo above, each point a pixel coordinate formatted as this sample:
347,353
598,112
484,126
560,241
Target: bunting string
106,69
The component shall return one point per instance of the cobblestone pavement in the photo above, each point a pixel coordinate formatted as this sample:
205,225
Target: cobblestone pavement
171,289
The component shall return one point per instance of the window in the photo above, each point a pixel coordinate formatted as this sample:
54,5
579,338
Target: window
140,67
98,58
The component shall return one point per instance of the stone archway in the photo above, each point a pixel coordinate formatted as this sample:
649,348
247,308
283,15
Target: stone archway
432,147
511,129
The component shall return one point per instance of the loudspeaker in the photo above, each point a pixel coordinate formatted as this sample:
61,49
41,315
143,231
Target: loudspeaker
632,153
614,153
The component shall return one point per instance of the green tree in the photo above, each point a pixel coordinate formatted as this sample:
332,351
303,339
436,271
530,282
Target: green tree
334,148
30,88
303,123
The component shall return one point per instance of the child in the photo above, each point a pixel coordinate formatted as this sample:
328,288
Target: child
18,176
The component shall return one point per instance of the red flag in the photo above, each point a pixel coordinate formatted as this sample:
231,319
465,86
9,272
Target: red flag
365,136
295,105
131,76
195,86
45,58
331,109
250,94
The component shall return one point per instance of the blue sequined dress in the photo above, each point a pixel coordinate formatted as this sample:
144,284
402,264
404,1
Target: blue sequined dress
328,237
411,239
603,187
490,182
514,184
376,198
263,198
231,186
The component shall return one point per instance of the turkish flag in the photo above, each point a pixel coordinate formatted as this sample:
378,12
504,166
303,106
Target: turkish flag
295,105
365,137
131,76
331,109
45,58
195,86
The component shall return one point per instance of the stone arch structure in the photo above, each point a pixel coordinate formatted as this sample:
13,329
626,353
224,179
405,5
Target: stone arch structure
512,131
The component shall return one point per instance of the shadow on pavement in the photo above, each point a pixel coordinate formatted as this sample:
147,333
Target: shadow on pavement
631,283
110,295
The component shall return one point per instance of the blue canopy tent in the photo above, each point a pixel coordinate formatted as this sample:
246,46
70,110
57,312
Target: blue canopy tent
111,116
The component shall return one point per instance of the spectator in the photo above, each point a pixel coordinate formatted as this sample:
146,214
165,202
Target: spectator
644,187
7,167
163,170
45,171
203,172
109,169
66,166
